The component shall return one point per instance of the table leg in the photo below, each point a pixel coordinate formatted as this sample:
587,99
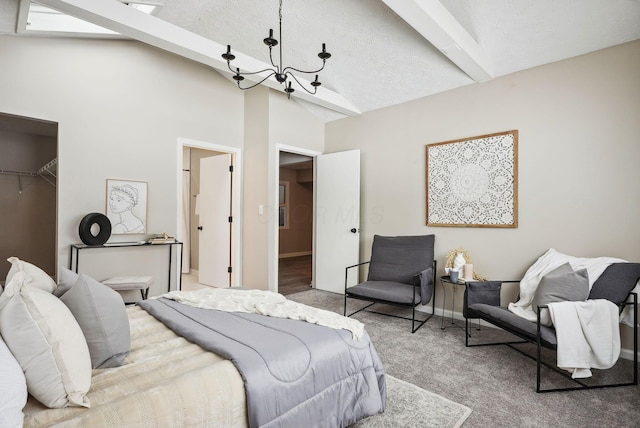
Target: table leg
444,299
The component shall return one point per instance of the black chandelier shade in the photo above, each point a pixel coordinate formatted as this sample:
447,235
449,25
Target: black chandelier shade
281,73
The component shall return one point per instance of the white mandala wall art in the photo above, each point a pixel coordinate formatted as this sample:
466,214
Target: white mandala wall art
473,182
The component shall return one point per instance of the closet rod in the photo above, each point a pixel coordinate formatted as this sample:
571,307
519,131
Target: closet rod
11,172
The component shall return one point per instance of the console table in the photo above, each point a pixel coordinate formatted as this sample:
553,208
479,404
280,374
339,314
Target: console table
76,248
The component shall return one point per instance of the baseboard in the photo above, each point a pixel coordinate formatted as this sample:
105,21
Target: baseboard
625,353
298,254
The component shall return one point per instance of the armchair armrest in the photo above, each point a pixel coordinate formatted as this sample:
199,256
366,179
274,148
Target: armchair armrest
346,272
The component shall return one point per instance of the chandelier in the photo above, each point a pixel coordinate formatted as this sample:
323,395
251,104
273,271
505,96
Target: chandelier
281,73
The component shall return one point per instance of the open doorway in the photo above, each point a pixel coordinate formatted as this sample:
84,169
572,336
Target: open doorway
208,199
295,222
28,193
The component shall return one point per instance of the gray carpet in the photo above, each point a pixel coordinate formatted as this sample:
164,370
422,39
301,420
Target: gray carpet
495,382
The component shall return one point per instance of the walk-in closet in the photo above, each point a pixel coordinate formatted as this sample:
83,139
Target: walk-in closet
28,180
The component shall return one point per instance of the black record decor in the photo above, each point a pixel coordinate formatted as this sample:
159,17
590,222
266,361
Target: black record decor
86,224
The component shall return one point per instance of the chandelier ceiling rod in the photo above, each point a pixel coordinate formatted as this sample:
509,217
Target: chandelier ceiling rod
280,72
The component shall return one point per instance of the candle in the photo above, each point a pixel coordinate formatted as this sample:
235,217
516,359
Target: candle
468,272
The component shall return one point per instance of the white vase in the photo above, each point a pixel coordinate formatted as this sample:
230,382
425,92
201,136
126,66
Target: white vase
459,261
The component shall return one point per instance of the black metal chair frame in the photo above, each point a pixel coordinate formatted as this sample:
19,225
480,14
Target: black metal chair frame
416,280
538,357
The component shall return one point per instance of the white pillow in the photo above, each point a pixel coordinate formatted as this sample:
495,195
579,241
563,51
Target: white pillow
13,393
45,338
35,276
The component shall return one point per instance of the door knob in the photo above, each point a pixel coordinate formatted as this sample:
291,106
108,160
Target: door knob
354,230
199,227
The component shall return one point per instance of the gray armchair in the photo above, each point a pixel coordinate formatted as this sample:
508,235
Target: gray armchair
401,273
482,301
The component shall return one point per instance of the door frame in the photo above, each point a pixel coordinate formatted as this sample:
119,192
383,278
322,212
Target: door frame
236,199
274,181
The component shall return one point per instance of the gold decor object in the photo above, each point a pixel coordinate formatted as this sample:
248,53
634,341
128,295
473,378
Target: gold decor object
451,255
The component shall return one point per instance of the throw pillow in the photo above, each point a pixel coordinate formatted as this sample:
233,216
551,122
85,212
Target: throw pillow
562,284
66,279
616,282
45,338
36,277
102,316
13,393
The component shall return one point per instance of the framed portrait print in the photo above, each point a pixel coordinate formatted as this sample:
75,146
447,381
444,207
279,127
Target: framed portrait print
127,206
473,182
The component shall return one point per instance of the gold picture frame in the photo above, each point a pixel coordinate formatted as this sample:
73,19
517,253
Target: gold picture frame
473,182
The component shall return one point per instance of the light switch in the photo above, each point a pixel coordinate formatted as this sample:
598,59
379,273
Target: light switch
260,209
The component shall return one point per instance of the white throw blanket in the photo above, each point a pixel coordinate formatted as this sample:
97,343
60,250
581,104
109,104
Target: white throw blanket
264,303
545,264
588,335
584,314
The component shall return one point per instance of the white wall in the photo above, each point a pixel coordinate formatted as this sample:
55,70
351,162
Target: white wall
121,106
578,123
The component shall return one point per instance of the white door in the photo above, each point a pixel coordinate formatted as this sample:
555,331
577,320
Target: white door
337,218
214,208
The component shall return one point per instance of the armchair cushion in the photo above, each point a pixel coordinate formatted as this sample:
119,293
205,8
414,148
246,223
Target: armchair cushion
400,258
389,291
501,317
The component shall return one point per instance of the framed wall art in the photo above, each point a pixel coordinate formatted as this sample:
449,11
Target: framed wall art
473,182
127,206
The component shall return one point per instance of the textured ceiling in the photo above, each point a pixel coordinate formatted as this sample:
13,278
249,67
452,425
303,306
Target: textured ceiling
379,59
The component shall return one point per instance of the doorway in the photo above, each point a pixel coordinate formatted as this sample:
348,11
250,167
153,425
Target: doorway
28,193
198,202
295,222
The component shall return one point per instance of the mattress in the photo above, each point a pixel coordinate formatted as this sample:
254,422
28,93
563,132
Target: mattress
165,381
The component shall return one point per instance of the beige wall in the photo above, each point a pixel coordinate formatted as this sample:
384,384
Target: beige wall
578,157
256,193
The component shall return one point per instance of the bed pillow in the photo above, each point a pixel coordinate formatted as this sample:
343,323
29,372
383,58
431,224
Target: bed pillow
36,277
66,279
102,316
47,342
562,284
13,393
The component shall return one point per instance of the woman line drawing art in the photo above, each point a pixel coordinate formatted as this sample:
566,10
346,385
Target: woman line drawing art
122,200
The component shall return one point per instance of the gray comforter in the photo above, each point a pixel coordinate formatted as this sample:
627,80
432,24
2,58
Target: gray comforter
296,374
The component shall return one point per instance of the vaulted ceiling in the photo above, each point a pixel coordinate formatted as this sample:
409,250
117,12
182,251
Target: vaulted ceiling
384,52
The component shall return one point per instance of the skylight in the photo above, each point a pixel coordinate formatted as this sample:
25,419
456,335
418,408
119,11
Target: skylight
44,19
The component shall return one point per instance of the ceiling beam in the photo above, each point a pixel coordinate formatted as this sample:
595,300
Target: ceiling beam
436,24
153,31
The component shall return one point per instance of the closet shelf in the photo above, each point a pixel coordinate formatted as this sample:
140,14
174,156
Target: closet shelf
47,172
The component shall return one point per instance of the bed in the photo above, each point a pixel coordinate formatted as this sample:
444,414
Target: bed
190,366
166,381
